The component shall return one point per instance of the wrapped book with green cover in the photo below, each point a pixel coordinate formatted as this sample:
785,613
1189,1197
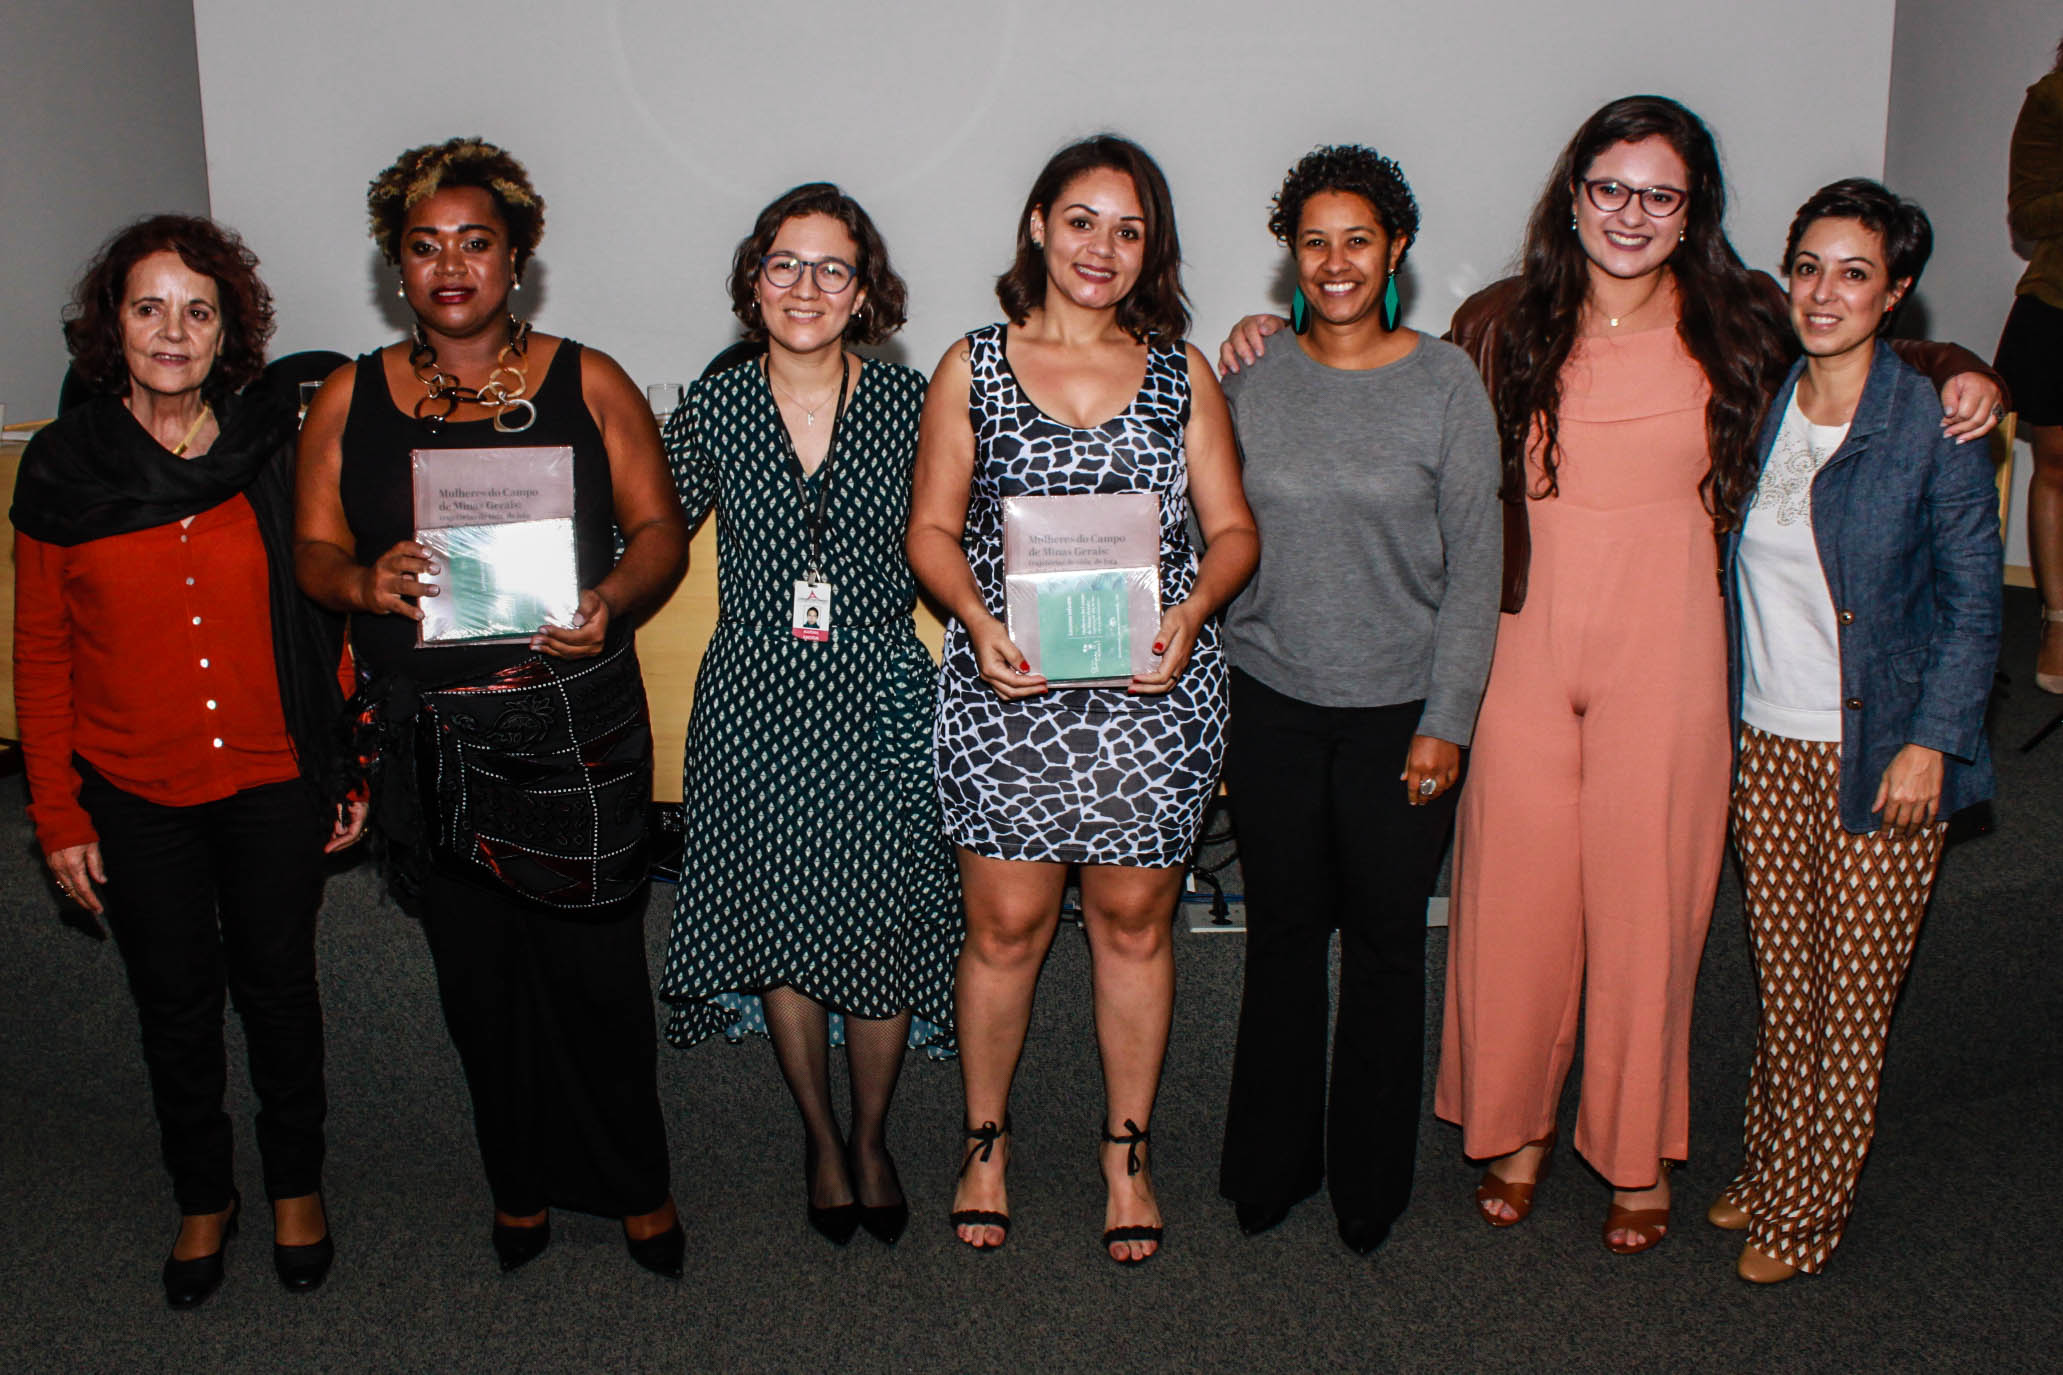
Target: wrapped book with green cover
1081,578
500,523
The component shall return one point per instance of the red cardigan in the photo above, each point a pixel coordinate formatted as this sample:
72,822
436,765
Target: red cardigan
149,655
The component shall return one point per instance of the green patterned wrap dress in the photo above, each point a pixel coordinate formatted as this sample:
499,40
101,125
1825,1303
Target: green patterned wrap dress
815,857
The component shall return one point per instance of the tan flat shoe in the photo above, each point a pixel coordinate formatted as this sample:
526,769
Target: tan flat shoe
1514,1194
1727,1215
1756,1268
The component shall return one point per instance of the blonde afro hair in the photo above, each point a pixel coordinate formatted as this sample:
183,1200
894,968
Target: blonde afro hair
422,172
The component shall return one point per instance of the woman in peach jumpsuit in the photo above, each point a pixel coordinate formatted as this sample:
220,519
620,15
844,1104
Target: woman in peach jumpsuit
1629,366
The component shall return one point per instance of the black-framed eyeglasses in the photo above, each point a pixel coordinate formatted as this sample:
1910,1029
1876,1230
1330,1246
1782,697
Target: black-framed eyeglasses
783,270
1659,201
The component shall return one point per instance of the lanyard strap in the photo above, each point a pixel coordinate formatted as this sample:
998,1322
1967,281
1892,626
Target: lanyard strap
814,518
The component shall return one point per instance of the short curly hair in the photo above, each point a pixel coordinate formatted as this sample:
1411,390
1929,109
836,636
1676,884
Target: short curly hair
887,297
1352,168
93,320
422,172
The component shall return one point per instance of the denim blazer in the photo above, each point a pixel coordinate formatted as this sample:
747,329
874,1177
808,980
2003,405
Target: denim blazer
1907,526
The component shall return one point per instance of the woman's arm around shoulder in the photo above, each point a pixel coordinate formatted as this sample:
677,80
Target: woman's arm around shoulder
1473,328
1973,397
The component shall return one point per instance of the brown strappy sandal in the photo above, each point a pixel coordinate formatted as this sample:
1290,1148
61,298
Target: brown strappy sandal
1514,1194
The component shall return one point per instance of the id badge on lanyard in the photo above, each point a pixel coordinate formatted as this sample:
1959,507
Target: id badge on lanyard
811,618
812,610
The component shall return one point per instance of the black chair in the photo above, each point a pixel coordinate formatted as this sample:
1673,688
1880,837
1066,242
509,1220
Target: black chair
742,351
73,391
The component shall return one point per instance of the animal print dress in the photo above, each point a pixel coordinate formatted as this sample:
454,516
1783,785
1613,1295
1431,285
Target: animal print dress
1081,775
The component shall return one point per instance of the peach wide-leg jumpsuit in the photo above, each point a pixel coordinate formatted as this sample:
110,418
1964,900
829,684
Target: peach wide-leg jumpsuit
1594,821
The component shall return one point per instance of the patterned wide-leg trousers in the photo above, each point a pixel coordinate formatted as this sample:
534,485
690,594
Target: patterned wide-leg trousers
1832,917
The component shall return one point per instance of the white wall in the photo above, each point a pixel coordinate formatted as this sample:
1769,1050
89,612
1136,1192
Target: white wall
102,124
1959,70
656,129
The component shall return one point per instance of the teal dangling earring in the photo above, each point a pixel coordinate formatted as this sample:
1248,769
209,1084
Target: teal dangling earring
1299,311
1389,302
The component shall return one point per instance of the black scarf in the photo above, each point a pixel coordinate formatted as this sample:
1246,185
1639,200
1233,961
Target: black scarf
95,471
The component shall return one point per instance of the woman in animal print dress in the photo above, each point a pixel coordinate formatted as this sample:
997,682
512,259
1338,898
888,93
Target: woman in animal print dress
1088,388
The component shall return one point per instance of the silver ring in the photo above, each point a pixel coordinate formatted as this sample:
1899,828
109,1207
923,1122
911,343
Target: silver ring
1427,787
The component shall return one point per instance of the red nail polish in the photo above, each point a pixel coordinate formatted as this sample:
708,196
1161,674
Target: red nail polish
1024,667
1159,648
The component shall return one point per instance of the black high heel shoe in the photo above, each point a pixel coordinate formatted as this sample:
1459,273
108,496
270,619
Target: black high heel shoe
835,1224
188,1283
1256,1218
886,1222
516,1247
302,1269
984,1138
662,1254
1135,1137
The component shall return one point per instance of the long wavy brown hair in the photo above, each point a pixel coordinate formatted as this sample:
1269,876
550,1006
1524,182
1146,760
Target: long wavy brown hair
1731,325
1156,306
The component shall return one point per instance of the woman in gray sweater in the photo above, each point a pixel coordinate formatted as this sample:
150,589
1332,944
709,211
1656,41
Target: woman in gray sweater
1359,653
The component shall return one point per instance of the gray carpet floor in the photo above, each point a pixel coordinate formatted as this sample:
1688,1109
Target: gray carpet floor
1952,1260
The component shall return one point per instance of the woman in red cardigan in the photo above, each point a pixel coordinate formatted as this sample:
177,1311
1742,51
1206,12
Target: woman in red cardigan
178,701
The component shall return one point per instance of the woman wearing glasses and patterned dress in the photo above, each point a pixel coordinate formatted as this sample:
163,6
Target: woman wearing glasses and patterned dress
512,782
818,899
1628,366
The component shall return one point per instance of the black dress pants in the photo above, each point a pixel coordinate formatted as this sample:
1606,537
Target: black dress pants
1327,841
552,1017
221,895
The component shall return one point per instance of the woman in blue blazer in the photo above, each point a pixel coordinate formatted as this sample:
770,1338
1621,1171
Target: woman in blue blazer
1863,592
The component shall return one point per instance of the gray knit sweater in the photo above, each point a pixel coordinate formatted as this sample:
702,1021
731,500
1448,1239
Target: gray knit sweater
1381,535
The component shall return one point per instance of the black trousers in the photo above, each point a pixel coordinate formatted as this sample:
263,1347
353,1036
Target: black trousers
219,896
1327,841
553,1021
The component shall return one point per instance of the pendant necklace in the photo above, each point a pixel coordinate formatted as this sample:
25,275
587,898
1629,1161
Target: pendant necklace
809,412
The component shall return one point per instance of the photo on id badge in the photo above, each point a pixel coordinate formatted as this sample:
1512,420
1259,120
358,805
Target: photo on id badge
812,620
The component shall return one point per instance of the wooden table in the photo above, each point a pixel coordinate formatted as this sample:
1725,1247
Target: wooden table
670,645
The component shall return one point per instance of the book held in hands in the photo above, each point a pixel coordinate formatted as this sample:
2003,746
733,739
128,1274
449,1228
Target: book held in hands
500,523
1081,583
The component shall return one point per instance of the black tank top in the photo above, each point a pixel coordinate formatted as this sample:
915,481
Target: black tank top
379,506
